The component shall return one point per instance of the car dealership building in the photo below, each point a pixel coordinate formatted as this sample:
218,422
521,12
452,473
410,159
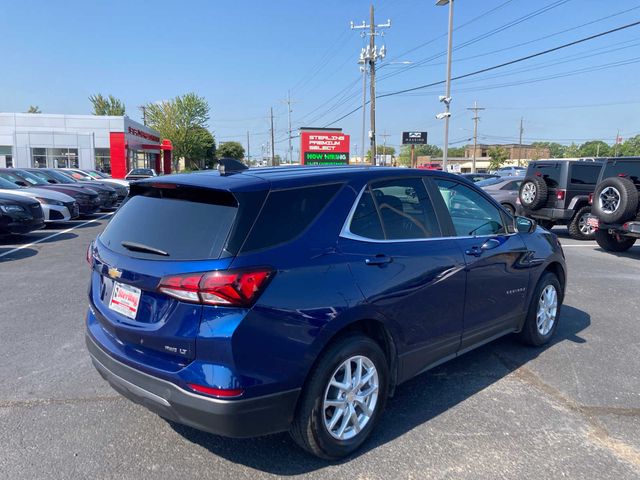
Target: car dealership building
113,144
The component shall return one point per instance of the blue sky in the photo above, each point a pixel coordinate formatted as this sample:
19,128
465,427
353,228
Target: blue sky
243,56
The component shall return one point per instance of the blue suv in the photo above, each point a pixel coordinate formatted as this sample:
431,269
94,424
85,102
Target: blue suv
297,299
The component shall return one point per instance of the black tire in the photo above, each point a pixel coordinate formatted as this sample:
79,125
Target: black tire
613,243
509,208
530,333
546,224
578,228
538,193
308,429
615,200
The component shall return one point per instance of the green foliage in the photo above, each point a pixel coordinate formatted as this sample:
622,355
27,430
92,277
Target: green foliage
34,109
630,147
231,150
456,152
183,120
571,151
595,148
556,150
382,150
420,151
106,105
499,156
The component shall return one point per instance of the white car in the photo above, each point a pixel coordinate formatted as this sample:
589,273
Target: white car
510,171
89,175
57,207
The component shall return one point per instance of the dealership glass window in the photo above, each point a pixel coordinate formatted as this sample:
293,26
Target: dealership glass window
103,159
6,152
54,157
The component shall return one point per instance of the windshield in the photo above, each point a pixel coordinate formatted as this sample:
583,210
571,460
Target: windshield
12,178
31,178
141,171
78,175
6,184
60,176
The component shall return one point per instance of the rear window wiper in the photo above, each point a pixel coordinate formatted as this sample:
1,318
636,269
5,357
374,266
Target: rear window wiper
140,247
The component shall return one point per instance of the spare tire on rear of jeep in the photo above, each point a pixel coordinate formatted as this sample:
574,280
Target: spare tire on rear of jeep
615,200
533,193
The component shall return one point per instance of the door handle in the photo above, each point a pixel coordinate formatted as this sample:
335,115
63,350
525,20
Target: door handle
379,259
488,245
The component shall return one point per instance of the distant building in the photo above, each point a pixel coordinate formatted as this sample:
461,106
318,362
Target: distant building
516,151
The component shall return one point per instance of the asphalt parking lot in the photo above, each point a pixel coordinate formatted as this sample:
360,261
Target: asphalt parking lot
569,410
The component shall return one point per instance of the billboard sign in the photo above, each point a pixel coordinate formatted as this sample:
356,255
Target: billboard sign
414,138
324,147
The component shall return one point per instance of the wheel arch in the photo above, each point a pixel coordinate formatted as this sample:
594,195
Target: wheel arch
558,270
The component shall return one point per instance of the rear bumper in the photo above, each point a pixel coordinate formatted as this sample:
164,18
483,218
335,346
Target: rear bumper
552,214
631,228
230,418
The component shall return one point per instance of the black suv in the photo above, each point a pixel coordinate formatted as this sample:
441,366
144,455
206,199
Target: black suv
556,192
615,217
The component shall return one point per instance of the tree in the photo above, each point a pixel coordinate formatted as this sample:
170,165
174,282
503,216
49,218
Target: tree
571,151
231,150
34,109
183,120
456,152
382,150
499,156
630,147
420,151
595,148
106,105
556,150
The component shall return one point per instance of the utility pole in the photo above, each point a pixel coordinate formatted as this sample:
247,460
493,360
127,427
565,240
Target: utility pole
363,69
385,135
446,98
273,145
520,143
248,150
289,102
372,55
615,152
475,109
143,109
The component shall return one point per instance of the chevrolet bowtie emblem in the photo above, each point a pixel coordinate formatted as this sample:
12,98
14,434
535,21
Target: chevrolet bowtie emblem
114,272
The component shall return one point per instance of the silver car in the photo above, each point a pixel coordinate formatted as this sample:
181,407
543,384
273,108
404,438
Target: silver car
504,190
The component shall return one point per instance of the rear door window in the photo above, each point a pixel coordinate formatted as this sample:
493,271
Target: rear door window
286,214
630,168
582,174
398,209
187,224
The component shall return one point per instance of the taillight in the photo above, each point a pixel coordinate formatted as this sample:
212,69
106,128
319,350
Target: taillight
222,288
560,194
90,254
216,392
591,198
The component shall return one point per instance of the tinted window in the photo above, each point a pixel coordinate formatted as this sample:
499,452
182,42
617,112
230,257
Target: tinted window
585,174
471,213
187,228
366,221
6,184
619,167
405,209
549,171
286,214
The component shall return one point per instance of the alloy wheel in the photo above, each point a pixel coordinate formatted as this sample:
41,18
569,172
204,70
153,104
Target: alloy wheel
547,310
584,226
528,193
609,199
350,398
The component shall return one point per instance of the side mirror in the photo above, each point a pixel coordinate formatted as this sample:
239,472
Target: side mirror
525,225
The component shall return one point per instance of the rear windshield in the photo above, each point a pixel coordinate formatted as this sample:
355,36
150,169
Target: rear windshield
630,168
549,171
187,224
490,181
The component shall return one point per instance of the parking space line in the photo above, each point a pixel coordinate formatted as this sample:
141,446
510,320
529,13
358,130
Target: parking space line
22,247
578,245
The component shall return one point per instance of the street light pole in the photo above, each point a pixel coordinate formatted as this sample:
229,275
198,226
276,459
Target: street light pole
447,96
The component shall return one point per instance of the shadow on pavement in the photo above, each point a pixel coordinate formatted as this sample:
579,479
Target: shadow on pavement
415,402
17,255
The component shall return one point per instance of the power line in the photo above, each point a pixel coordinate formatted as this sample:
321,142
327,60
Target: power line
495,67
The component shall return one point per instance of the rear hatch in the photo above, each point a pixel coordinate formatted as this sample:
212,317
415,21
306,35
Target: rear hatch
552,174
161,230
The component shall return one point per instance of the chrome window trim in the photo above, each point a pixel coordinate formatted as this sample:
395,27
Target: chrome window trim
346,233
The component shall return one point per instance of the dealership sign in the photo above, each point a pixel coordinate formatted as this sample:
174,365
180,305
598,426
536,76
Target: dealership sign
324,147
414,138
